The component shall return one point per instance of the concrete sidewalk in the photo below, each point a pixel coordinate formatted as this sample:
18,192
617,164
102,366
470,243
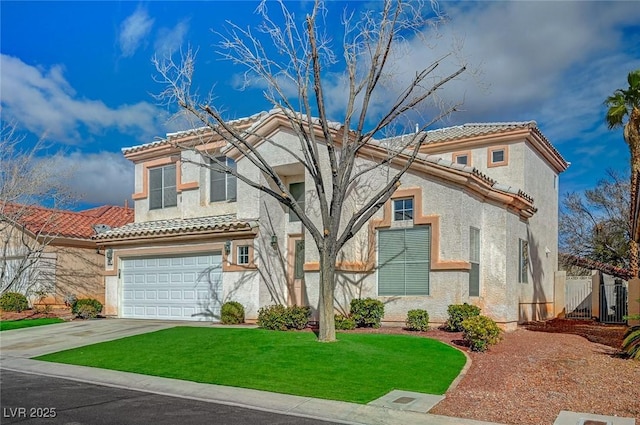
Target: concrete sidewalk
17,347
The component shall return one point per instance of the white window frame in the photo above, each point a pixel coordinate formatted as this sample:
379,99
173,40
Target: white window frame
243,255
403,213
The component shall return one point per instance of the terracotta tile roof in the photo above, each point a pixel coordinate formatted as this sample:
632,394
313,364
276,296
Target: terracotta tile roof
68,224
480,129
251,123
180,226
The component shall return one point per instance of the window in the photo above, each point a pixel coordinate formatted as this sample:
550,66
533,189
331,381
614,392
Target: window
497,156
474,259
298,266
523,263
463,158
243,255
404,258
162,187
403,209
297,191
223,185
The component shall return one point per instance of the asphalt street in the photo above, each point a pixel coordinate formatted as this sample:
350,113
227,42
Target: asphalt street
35,399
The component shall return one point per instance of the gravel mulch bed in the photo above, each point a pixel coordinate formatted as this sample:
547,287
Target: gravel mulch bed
530,376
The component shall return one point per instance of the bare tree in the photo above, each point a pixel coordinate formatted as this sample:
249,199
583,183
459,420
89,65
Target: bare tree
595,224
26,181
291,59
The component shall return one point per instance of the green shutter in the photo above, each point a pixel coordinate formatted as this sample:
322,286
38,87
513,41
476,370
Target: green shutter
417,260
404,257
391,262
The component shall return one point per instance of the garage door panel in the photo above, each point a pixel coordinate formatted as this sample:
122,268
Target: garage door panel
183,288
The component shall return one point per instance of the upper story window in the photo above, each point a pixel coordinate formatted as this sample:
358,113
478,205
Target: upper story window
463,158
223,185
297,192
498,156
403,209
162,187
243,255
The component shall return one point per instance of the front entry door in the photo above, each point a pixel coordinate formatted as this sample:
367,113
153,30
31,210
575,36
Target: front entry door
296,271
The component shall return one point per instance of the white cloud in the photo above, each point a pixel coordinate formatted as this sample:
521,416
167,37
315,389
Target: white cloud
99,178
133,30
169,40
43,102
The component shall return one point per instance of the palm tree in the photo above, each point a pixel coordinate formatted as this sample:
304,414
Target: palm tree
621,104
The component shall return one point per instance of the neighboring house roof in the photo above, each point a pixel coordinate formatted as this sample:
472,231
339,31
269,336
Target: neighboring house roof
68,224
587,263
181,226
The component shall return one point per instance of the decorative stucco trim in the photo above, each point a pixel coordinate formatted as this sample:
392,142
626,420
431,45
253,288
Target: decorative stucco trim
455,155
167,250
231,265
418,220
505,161
180,186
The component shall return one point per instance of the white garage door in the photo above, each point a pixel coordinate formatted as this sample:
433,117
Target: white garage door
172,288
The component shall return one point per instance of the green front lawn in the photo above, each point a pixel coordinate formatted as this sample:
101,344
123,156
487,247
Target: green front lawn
358,368
7,325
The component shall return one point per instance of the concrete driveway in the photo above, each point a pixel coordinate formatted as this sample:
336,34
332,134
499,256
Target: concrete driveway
39,340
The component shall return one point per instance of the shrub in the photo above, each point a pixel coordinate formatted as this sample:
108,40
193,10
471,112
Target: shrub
232,313
13,301
77,305
344,323
367,312
272,317
418,320
279,317
631,342
87,311
480,332
458,313
297,317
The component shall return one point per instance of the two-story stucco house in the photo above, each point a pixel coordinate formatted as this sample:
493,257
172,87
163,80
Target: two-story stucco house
474,220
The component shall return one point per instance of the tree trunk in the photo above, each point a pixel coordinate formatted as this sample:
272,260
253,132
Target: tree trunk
327,327
632,137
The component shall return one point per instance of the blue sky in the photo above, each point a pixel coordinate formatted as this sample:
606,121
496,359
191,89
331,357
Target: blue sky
80,75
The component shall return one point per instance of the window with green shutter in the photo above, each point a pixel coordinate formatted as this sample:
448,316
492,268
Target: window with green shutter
404,258
474,259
